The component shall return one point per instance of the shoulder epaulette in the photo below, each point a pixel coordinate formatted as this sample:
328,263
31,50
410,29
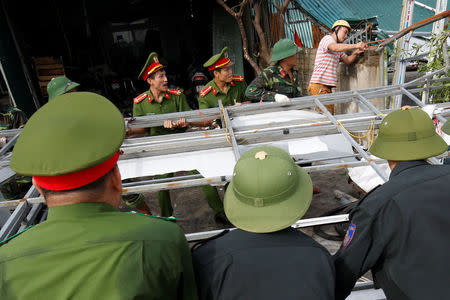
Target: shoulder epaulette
176,92
205,91
140,98
238,78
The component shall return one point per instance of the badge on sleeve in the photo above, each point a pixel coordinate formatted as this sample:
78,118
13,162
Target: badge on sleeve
349,235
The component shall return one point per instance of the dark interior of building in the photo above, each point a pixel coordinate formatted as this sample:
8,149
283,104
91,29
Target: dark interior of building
104,44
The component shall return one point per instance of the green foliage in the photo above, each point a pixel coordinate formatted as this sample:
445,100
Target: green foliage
436,61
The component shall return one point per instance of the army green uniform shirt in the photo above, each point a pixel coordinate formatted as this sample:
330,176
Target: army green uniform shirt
273,80
210,95
93,251
173,101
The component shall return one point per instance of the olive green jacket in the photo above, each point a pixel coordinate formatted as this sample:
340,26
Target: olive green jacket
93,251
210,95
173,101
273,80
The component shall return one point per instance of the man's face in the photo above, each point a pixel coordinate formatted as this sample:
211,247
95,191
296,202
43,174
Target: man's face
342,34
159,81
292,60
224,74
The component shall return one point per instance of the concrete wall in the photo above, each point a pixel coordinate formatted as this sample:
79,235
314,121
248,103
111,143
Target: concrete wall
364,73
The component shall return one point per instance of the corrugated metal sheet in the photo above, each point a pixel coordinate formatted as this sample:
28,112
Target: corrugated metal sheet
387,11
296,22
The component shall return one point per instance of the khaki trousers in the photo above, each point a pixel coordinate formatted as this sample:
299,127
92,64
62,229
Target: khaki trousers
318,89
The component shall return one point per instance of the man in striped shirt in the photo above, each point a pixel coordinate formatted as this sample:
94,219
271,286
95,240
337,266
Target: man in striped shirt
330,52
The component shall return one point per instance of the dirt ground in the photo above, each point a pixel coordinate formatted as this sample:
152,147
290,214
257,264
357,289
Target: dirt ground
190,204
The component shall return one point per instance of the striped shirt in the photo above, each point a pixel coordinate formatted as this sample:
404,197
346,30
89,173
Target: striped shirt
326,63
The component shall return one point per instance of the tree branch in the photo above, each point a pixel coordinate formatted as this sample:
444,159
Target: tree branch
264,52
238,17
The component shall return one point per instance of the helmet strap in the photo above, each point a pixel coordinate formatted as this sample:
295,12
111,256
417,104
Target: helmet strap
336,31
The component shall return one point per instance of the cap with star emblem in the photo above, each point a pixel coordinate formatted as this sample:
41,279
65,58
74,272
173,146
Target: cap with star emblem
151,66
407,134
219,60
70,142
268,191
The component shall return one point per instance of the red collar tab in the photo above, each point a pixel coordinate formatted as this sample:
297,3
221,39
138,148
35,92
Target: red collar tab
150,98
155,66
76,179
205,91
167,95
220,63
232,83
214,91
282,73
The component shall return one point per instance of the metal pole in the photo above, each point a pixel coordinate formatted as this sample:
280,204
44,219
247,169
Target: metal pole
352,141
226,117
198,236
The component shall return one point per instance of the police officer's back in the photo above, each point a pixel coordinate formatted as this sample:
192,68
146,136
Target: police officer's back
87,249
401,229
265,258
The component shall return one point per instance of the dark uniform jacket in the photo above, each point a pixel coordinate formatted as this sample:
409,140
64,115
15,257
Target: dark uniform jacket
274,80
285,264
93,251
401,231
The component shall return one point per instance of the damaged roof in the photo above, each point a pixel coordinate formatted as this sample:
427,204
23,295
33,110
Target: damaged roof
387,11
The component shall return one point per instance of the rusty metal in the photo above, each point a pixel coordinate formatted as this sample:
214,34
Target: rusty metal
422,23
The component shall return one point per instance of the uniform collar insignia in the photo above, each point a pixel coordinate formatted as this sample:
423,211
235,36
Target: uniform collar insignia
282,73
214,91
167,95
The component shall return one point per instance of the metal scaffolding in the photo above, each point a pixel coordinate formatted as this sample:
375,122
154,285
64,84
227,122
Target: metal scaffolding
236,137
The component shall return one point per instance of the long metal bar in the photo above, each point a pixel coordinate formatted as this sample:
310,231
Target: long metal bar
298,103
198,236
343,165
368,104
147,186
352,141
422,23
227,119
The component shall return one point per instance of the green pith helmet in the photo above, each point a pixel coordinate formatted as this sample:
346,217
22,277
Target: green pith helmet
60,85
78,131
407,134
219,60
151,65
446,128
284,48
268,191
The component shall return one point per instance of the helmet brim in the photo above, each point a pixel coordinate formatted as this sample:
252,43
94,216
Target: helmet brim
408,150
272,217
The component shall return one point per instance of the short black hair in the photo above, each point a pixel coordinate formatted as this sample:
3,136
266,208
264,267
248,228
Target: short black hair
95,186
212,71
